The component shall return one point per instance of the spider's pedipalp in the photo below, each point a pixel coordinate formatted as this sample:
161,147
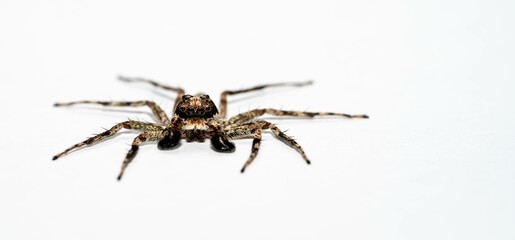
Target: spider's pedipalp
220,144
135,125
170,139
144,137
158,112
223,97
247,116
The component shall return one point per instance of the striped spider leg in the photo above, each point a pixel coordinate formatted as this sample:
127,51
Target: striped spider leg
241,125
223,96
150,131
252,114
134,125
156,110
236,131
196,118
179,91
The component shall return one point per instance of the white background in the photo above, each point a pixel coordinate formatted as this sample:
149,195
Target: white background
434,161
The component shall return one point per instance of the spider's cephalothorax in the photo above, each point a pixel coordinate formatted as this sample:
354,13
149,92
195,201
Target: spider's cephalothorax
198,107
194,113
196,118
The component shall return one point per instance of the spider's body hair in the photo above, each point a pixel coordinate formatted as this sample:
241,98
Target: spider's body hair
196,114
196,130
195,124
196,118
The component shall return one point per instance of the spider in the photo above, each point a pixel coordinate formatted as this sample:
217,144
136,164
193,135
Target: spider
196,118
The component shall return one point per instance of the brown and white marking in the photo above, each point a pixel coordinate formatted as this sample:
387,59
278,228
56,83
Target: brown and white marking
196,118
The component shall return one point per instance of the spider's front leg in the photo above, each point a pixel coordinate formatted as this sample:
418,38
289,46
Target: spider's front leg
247,116
158,112
144,137
134,125
255,148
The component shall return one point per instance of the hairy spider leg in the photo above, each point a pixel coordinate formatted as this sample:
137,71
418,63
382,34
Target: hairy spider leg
255,148
144,137
179,91
238,131
223,97
250,115
289,141
135,125
158,112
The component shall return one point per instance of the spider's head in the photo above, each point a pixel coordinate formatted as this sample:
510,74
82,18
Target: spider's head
196,107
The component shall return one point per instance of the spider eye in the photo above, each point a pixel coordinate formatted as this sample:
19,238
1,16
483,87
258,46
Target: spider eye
208,109
187,96
200,112
190,112
182,109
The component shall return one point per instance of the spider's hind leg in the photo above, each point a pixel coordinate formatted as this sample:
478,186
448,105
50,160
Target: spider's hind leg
223,97
179,91
255,148
158,112
135,125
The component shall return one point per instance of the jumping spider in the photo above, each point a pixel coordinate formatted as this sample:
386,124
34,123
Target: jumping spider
196,118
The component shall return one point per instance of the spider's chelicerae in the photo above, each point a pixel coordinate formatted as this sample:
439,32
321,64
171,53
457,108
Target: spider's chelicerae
196,118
